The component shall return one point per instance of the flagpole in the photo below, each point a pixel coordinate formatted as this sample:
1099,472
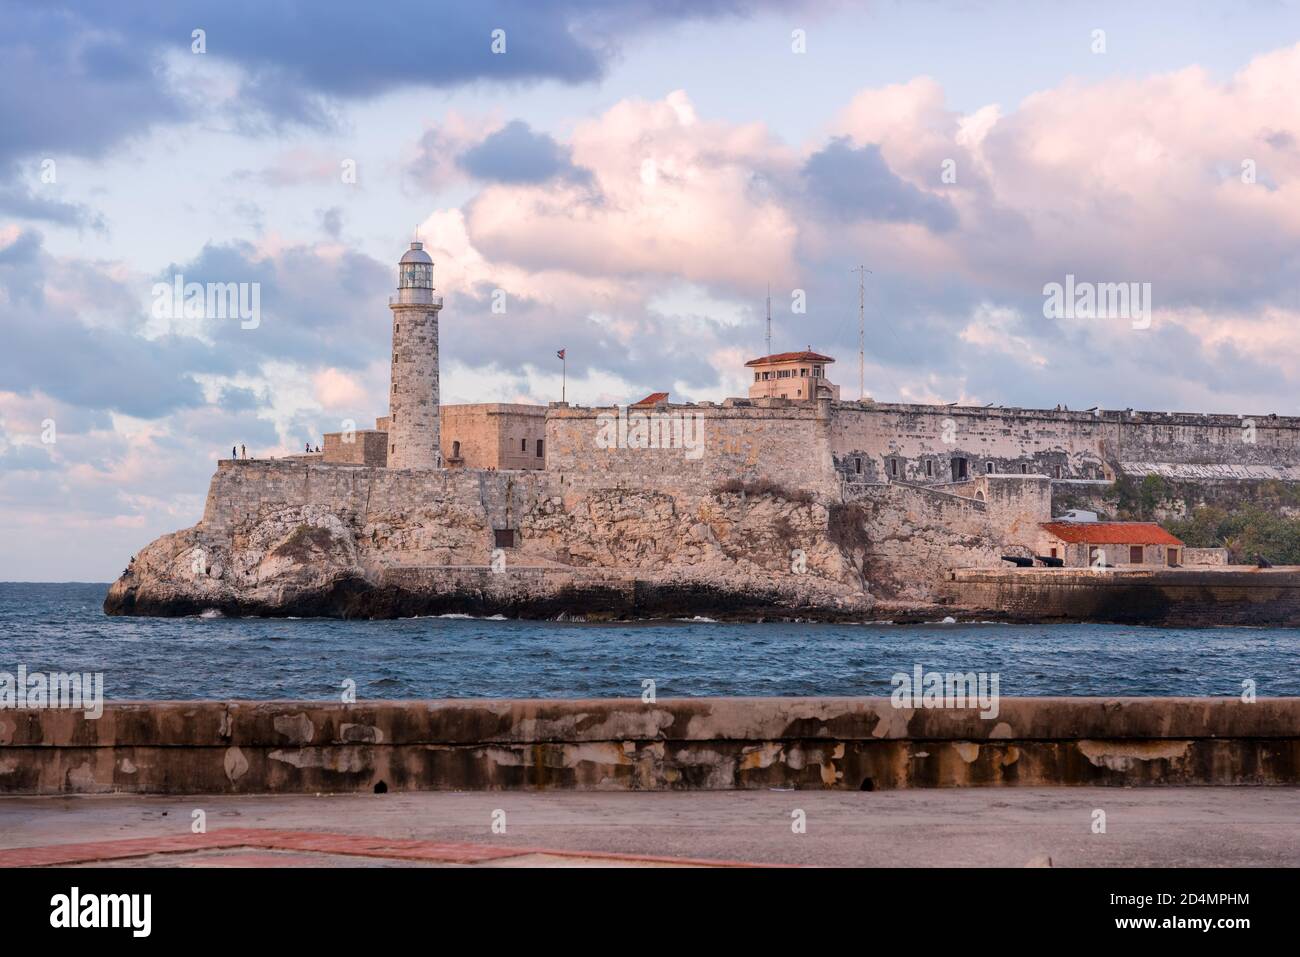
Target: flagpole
564,378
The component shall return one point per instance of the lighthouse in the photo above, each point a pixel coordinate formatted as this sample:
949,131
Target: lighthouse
413,426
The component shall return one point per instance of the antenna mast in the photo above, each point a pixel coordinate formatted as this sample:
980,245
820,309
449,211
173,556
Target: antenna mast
862,330
771,384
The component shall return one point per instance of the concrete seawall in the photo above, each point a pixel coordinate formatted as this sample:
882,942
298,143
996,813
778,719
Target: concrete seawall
620,744
1182,597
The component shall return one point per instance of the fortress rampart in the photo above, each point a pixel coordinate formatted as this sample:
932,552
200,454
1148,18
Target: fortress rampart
925,441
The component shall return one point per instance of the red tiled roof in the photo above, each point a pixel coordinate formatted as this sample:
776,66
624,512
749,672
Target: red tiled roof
654,398
790,357
1111,533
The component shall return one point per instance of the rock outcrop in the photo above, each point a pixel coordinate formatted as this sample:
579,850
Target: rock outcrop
291,538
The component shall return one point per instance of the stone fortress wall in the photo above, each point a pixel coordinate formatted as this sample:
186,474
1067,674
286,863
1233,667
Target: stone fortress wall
920,443
874,443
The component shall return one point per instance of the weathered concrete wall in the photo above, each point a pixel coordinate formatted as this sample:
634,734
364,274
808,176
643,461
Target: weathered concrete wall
1191,597
705,743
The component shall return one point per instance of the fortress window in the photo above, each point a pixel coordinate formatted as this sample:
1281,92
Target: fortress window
959,470
523,445
540,443
1135,554
1058,471
858,464
455,449
929,468
988,468
505,538
893,467
1024,469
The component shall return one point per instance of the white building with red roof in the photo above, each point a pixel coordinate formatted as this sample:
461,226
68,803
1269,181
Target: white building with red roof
1105,544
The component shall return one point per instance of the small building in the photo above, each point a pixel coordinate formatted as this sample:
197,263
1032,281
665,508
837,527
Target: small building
488,435
792,375
496,435
358,447
1098,544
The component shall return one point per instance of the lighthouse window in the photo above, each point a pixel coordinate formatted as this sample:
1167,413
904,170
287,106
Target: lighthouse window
397,327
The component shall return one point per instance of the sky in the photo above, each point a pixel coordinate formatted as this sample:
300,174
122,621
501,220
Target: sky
623,180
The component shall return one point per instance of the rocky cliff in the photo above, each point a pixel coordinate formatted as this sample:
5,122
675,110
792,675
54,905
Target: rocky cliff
291,538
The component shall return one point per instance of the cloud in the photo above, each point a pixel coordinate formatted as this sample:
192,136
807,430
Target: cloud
68,85
517,154
673,197
849,184
21,202
115,70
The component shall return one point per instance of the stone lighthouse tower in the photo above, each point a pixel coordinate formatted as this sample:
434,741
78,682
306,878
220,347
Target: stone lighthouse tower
413,427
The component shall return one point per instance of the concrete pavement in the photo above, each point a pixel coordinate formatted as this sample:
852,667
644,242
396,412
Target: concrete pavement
1011,827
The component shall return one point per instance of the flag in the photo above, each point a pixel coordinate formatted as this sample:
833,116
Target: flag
560,354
